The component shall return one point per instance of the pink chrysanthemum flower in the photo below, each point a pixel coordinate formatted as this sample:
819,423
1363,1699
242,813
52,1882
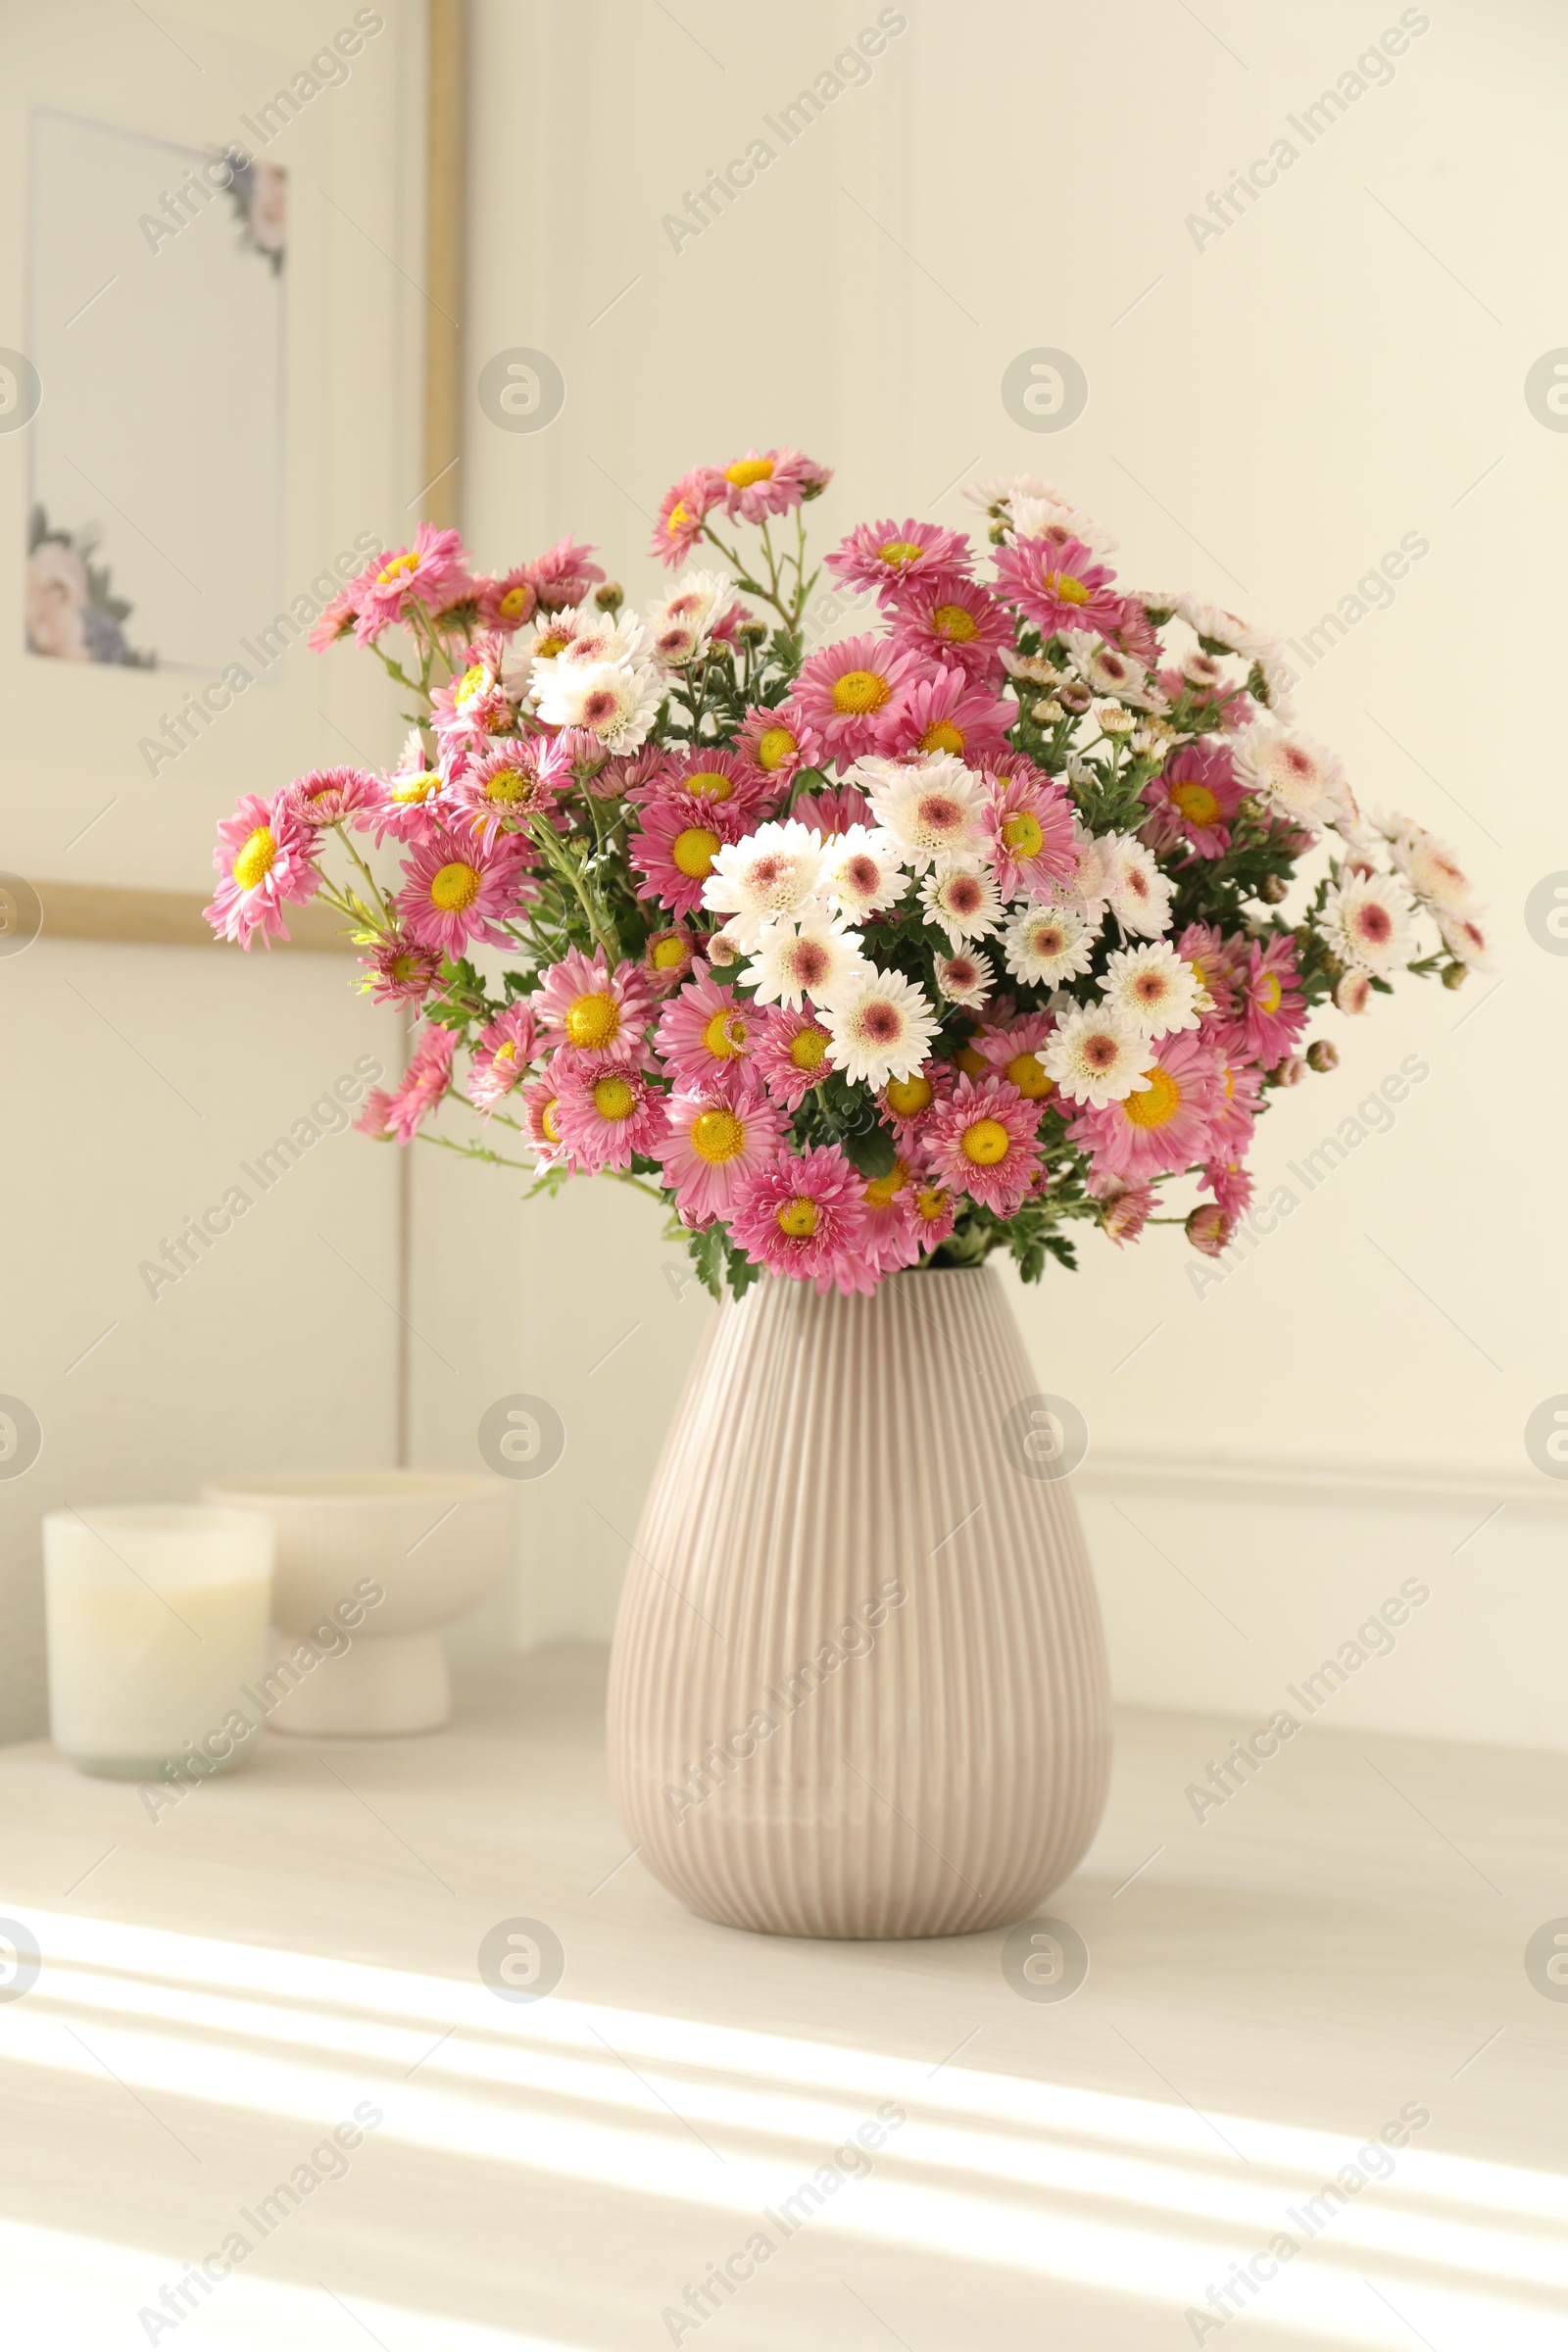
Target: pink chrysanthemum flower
708,1033
1060,587
501,1057
949,619
600,1014
849,691
509,600
716,778
1125,1208
1215,700
1270,1011
474,702
776,743
407,805
422,1087
517,779
1234,1116
715,1140
894,1231
682,510
675,846
1216,960
430,573
338,617
455,890
1161,1127
770,481
1193,800
802,1215
262,859
668,957
1029,825
937,1207
1012,1051
564,575
908,1103
891,557
405,972
539,1101
833,811
948,711
789,1053
333,796
1231,1185
609,1113
982,1141
375,1117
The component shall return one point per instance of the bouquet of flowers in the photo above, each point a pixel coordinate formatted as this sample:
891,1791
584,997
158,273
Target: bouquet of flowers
983,922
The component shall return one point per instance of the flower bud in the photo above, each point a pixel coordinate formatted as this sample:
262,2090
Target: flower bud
1291,1072
1073,696
722,951
1273,889
1322,1054
1453,975
1352,991
609,597
753,632
1209,1229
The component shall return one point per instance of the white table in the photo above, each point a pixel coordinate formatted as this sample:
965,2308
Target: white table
222,1987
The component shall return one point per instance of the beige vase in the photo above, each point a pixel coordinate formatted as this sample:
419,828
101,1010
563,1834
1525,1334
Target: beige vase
859,1681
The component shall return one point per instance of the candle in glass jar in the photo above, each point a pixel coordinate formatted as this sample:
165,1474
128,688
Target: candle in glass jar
158,1620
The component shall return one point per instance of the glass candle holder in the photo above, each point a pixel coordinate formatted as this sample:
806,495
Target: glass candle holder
158,1622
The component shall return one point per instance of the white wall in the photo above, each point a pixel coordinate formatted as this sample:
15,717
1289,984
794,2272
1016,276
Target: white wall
1267,415
134,1079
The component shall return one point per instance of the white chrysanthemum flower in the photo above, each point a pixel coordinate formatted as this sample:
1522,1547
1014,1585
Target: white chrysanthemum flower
1464,937
1001,489
1428,864
581,637
1138,893
863,872
1154,990
1032,516
881,1029
1047,945
816,958
932,807
1096,1057
682,623
1105,670
774,872
1289,773
1366,923
965,905
1217,626
615,701
967,978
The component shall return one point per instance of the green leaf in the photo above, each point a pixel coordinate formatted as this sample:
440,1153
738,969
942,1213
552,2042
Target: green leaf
873,1153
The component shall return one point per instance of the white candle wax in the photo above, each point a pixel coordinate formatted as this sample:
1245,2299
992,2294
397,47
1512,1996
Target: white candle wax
156,1615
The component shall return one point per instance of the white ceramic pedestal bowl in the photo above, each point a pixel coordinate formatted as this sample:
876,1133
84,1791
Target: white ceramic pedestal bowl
432,1544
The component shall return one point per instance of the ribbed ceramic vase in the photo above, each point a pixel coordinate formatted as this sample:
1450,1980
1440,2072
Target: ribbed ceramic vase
859,1681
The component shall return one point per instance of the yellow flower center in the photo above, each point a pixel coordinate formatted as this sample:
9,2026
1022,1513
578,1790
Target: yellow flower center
398,569
931,1202
798,1218
1028,1075
545,648
709,784
975,1063
942,736
455,887
1269,993
718,1136
899,552
507,784
909,1097
506,1052
1159,1102
515,604
985,1143
883,1191
1064,588
613,1099
807,1049
546,1121
773,747
471,683
668,953
953,624
747,471
725,1034
1195,803
592,1021
860,691
409,791
1020,833
678,519
693,851
255,861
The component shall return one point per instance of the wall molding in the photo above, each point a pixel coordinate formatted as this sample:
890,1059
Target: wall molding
1328,1483
166,919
